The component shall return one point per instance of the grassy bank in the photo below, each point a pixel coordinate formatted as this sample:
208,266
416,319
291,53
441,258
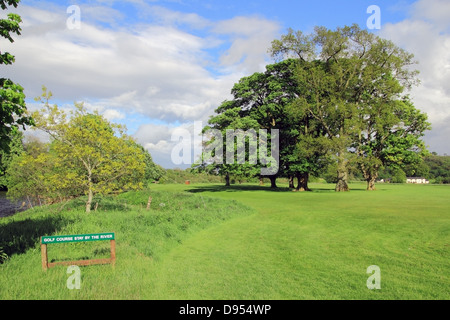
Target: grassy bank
143,238
243,242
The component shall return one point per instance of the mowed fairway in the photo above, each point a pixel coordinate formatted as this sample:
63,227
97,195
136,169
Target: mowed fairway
266,244
315,245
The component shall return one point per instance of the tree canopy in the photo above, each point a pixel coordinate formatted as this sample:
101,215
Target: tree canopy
335,96
13,111
353,85
87,155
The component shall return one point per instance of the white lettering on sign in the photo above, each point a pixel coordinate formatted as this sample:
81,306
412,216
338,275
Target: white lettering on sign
64,239
77,238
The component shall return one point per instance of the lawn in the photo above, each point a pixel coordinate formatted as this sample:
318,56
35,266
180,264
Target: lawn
246,242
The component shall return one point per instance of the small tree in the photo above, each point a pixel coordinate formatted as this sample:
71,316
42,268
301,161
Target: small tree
87,153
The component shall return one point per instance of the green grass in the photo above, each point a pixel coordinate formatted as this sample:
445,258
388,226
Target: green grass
242,242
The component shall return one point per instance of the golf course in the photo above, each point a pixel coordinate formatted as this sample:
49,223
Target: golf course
210,242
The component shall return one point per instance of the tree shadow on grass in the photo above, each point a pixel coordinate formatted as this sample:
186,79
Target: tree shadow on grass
239,188
17,237
235,188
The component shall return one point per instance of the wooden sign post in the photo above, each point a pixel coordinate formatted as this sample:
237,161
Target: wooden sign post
78,238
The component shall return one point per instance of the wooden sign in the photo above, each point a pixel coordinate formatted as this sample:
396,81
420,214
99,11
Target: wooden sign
78,238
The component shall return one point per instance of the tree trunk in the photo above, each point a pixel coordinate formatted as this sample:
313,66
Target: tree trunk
227,180
342,175
371,184
90,194
149,202
370,174
370,178
273,180
291,182
89,202
302,182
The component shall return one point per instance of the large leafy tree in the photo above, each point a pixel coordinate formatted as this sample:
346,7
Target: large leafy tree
13,112
258,103
216,160
390,137
353,85
267,100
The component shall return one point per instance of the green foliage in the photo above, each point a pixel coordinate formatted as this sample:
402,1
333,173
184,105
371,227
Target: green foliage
8,26
330,173
13,111
153,172
43,178
265,101
352,84
178,176
87,155
336,96
398,176
15,149
438,168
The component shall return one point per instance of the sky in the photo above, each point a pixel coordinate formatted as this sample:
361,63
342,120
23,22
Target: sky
160,65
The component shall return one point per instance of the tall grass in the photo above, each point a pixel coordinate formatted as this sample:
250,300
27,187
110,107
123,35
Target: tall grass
143,237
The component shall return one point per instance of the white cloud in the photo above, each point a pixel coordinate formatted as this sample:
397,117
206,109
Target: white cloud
160,141
168,17
426,35
158,69
251,38
111,114
435,11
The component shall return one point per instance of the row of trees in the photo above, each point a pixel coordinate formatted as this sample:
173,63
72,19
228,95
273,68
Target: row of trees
435,167
336,96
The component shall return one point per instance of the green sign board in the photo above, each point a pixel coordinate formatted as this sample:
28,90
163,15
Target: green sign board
78,238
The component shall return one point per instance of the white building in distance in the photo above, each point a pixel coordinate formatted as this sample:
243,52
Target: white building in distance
418,180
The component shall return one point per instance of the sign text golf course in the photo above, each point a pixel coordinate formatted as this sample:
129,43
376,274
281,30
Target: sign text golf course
45,240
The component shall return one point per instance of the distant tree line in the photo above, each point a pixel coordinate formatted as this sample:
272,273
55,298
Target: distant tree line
437,168
434,167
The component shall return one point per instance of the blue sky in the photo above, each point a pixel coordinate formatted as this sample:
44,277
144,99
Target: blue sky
160,65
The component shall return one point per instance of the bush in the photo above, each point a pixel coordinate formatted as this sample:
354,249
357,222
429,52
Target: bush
180,176
398,176
442,180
